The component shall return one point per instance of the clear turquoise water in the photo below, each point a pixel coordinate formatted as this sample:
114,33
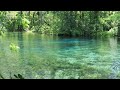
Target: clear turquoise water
40,54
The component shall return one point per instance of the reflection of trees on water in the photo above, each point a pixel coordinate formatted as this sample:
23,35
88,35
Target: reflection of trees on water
22,56
115,67
113,45
21,44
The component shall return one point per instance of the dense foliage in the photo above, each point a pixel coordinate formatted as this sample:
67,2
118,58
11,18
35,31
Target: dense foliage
71,23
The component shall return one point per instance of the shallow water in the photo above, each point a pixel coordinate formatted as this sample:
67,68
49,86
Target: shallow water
42,56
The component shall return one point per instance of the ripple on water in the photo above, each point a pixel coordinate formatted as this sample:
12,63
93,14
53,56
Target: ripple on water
35,52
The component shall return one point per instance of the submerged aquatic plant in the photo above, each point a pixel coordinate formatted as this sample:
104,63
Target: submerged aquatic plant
14,47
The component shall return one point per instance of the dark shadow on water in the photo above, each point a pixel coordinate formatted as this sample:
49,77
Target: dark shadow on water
15,76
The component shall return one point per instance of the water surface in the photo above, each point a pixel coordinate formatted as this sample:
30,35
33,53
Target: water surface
42,56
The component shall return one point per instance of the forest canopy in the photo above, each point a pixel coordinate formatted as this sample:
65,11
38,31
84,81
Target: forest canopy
70,23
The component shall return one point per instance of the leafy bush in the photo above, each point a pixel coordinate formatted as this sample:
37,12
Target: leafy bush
14,47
